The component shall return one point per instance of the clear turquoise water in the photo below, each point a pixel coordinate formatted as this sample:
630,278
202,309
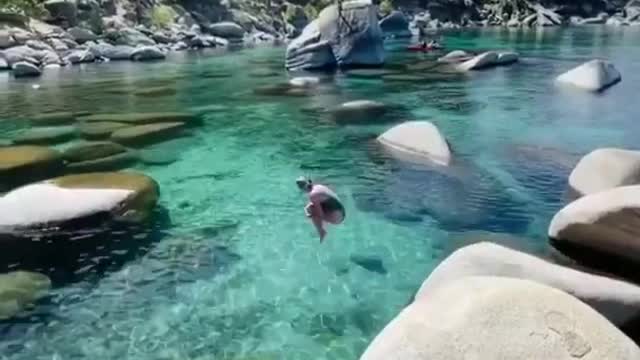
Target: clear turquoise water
239,273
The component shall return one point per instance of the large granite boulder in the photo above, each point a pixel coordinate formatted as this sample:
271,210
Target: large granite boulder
81,35
616,300
455,56
395,24
65,10
19,290
601,230
23,164
111,52
147,134
6,39
594,75
147,53
417,141
605,169
80,56
355,39
22,53
21,36
25,69
227,30
500,318
632,10
482,61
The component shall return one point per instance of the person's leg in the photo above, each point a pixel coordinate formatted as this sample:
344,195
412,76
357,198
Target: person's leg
317,220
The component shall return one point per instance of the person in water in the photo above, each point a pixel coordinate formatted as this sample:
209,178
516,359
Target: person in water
323,206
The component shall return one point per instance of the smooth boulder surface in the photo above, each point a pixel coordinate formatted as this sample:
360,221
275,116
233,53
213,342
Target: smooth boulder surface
506,58
227,30
97,130
395,24
417,141
605,169
92,150
65,9
143,190
616,300
19,290
455,56
111,52
147,53
328,42
4,65
304,81
6,39
45,135
81,35
481,61
141,118
25,69
24,164
602,230
500,318
595,75
147,134
80,56
53,118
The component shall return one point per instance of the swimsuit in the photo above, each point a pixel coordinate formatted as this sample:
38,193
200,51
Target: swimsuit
332,204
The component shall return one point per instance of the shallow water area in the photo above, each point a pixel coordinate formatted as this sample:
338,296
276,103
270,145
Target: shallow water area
239,273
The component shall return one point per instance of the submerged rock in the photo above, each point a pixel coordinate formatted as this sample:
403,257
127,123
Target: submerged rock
147,134
53,118
96,130
417,141
605,169
595,75
92,151
616,300
369,263
45,135
25,69
19,290
142,118
328,41
358,111
23,164
499,318
601,230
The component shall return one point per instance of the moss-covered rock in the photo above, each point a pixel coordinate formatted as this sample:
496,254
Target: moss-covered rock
147,134
19,290
145,190
23,164
98,130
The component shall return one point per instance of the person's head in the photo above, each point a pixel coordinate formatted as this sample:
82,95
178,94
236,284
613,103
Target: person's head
304,184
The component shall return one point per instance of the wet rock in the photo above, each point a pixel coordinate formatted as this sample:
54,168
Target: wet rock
324,43
147,53
506,58
227,30
25,69
359,111
597,20
595,75
24,164
481,61
417,141
370,263
45,135
143,118
58,45
495,317
107,163
616,21
157,157
4,65
146,134
80,56
616,300
49,57
19,290
605,169
97,130
81,35
162,38
130,37
141,192
601,230
395,24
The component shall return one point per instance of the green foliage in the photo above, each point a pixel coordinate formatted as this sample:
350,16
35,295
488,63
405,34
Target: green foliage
32,8
162,16
386,7
310,11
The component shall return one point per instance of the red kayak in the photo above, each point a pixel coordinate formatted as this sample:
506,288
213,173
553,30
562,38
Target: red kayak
420,47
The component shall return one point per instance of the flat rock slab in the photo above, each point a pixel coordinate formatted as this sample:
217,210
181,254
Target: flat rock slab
23,164
147,134
45,135
20,289
155,92
107,163
97,130
142,118
92,151
53,118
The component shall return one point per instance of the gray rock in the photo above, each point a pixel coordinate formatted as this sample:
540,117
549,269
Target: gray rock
297,17
146,53
455,56
597,20
162,38
22,53
576,20
594,75
80,56
38,45
325,44
131,37
514,22
6,40
24,69
506,58
58,45
482,61
179,46
81,35
4,65
485,317
605,169
50,57
63,9
21,36
417,141
616,21
227,30
616,300
395,24
108,51
632,10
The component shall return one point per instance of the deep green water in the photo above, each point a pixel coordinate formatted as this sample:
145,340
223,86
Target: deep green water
239,273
